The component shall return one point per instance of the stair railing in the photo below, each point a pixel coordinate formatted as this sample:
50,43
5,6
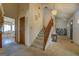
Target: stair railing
47,32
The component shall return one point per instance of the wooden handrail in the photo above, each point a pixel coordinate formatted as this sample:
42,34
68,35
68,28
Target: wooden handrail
47,32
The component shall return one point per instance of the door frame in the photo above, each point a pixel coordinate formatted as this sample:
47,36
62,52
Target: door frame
20,31
1,24
71,29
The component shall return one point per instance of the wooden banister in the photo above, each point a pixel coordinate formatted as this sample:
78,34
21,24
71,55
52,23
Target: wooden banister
47,32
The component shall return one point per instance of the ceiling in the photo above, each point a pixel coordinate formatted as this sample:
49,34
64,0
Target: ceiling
10,9
64,10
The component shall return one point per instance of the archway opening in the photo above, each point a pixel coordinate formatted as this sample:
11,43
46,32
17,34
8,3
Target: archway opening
8,31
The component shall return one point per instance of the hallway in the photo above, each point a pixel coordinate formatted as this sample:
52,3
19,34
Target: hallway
63,47
55,19
8,31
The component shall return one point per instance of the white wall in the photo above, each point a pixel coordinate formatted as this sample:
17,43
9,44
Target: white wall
68,29
23,10
53,30
76,28
47,16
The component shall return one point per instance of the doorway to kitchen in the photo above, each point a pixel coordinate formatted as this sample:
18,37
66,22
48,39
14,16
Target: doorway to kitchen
8,31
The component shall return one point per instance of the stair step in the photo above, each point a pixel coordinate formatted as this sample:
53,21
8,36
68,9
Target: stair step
39,42
37,46
40,38
41,35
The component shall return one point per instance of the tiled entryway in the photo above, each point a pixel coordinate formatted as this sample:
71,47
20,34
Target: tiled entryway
63,47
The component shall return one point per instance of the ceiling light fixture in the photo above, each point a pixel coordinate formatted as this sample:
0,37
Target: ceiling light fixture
54,12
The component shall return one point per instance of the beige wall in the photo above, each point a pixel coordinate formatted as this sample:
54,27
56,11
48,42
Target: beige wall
1,10
23,10
35,21
1,16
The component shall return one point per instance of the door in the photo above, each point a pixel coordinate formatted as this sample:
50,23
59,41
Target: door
22,30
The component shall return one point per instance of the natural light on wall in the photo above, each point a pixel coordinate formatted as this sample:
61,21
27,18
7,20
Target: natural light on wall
54,12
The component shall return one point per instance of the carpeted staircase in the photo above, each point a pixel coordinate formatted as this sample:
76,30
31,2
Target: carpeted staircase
39,41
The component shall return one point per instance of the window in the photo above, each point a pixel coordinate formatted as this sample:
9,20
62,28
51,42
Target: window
7,27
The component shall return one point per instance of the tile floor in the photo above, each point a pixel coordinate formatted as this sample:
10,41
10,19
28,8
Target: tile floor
7,41
63,47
